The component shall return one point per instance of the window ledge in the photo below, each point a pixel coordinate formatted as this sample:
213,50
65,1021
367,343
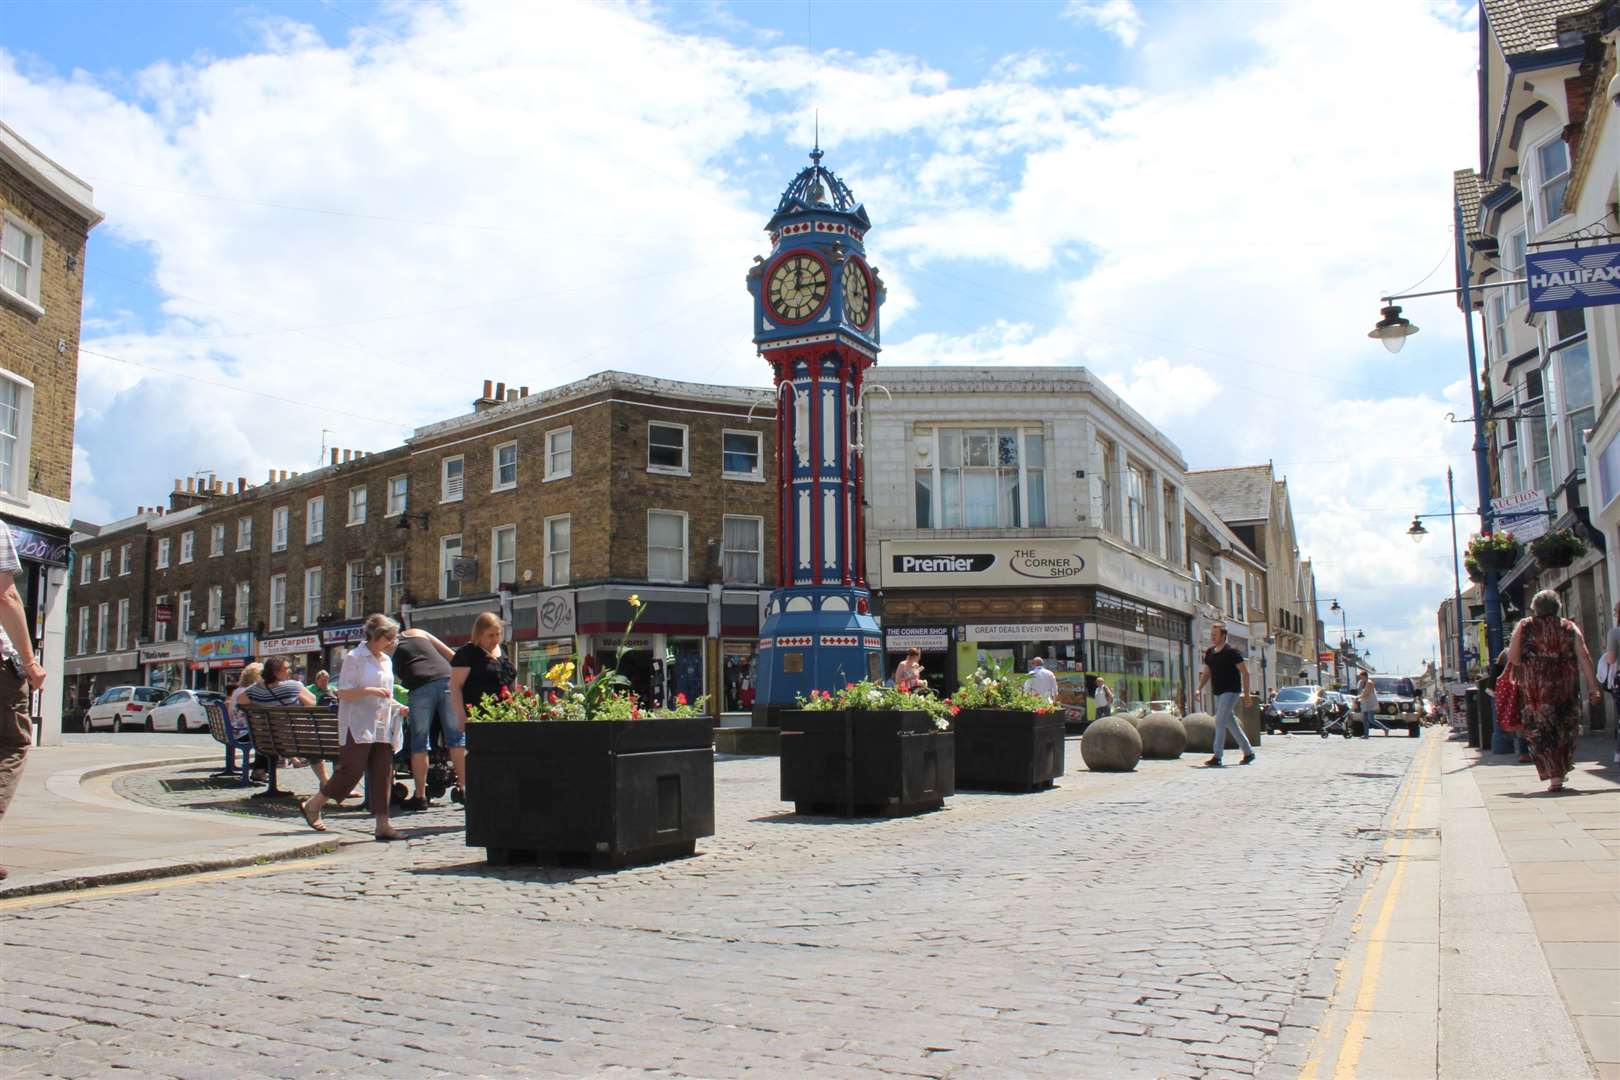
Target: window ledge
663,470
503,487
18,300
747,478
558,476
352,524
458,498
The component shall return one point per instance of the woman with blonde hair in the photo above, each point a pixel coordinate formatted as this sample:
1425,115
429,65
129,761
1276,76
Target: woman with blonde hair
480,668
237,719
1547,655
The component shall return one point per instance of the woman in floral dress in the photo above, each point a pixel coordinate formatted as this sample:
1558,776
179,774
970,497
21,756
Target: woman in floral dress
1546,653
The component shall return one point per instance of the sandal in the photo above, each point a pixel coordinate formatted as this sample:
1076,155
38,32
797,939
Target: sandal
313,822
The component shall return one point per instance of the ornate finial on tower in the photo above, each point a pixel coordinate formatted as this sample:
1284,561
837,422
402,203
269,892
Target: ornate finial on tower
815,155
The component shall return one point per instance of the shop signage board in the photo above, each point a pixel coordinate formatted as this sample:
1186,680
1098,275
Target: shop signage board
350,634
237,646
925,638
39,547
167,652
556,614
955,564
163,613
1021,632
1524,515
291,646
1578,277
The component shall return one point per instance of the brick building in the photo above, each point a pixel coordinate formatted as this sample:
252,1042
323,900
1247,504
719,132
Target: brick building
46,214
550,508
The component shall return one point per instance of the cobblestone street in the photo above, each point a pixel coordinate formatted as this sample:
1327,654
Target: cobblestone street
1161,923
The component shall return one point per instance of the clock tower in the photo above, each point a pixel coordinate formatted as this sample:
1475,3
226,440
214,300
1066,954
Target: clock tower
815,318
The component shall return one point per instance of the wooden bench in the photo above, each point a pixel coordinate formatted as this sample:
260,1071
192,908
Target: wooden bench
281,732
220,729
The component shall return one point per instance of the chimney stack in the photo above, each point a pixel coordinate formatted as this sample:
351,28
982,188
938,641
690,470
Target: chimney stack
489,388
500,391
512,394
334,455
281,474
348,455
523,391
272,477
219,485
241,483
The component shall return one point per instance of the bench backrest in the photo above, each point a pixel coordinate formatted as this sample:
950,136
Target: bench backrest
294,731
216,721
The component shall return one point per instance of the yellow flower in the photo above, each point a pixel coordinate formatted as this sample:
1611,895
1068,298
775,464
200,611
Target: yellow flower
560,673
635,600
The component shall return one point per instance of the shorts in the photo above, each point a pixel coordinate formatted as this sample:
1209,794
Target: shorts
427,701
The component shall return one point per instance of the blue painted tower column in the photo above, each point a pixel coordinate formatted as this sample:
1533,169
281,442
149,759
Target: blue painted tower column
816,322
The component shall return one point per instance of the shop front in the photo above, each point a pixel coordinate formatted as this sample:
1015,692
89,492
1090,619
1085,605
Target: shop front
933,642
217,659
302,652
1092,612
42,584
452,622
165,664
688,642
543,633
87,676
337,641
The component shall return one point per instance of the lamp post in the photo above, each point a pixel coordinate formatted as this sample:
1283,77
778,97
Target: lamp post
1393,330
1417,532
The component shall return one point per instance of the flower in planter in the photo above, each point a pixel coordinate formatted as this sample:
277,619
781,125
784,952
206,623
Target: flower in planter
995,686
869,696
1559,547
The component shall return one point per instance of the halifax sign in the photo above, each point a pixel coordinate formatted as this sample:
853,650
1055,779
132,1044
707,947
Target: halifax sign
1573,277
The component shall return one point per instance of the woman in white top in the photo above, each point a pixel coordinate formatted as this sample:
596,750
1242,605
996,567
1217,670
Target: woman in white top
365,694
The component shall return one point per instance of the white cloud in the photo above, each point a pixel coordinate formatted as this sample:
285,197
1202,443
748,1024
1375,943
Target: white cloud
532,193
1118,17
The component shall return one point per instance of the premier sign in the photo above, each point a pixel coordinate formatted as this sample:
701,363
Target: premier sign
1573,277
976,563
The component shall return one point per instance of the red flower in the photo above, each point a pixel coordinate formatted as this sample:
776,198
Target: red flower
635,713
849,686
955,710
506,693
680,699
905,689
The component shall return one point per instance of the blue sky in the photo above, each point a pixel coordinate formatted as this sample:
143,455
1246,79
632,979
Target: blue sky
369,208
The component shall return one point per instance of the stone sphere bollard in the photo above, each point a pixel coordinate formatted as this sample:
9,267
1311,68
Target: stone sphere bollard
1163,736
1111,745
1200,731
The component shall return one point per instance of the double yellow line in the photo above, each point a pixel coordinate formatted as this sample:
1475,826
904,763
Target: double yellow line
1367,987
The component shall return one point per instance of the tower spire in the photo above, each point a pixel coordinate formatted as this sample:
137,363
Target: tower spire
815,155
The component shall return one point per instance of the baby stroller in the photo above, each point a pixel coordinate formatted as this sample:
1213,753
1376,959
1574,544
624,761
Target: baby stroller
441,775
1340,724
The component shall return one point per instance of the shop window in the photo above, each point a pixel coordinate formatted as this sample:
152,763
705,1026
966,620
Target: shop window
278,602
666,448
505,467
740,455
449,557
559,546
315,520
398,487
312,596
742,549
738,678
503,557
354,588
395,589
666,545
559,453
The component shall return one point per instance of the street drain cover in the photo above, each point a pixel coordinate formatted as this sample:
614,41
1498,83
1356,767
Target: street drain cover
1396,834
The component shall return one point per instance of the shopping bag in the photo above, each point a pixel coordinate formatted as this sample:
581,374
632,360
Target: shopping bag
1508,702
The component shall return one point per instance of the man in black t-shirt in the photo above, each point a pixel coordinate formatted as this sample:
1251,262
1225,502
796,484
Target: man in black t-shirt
1227,674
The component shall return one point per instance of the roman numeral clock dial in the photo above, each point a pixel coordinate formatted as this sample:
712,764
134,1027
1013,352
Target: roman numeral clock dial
857,294
798,287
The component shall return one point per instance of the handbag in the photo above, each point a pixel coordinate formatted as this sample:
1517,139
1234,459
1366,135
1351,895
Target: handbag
1508,702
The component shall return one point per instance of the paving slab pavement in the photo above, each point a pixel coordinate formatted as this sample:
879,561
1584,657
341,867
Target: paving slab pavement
1487,943
68,828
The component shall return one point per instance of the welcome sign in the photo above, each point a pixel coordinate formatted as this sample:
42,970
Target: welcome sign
1565,278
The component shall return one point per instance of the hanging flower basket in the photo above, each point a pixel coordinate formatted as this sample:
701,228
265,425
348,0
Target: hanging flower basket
1472,569
1497,551
1558,549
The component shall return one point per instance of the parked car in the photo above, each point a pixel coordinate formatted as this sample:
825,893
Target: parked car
1295,707
1397,699
120,707
183,710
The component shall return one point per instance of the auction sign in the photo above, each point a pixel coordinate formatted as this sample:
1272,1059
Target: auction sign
1524,515
1561,278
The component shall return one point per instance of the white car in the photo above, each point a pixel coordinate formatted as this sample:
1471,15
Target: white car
121,707
183,711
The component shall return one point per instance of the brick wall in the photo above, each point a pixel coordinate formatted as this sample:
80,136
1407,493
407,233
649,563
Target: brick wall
45,348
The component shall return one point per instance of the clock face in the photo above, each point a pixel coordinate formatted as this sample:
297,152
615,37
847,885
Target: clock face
857,294
797,287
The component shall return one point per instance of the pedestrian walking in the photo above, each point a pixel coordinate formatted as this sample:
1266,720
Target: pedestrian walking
365,728
1548,653
480,668
1041,682
1104,698
276,686
908,674
20,673
1227,674
422,667
1367,699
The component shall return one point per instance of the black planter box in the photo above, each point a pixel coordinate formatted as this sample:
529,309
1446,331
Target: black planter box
1008,750
606,793
866,764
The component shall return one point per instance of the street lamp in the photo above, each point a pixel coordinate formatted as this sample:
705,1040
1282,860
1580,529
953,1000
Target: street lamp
1417,532
1393,330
